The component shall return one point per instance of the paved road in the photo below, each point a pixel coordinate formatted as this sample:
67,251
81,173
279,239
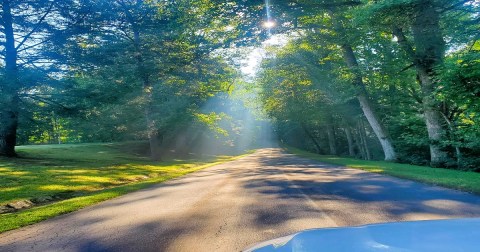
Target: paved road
231,206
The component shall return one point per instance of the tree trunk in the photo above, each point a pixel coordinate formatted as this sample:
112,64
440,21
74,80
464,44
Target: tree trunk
9,96
366,105
359,144
154,138
433,120
363,96
458,152
8,128
430,50
57,138
331,140
194,145
363,138
428,53
309,134
348,133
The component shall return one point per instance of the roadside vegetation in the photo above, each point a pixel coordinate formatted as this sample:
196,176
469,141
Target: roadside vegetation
49,180
460,180
391,80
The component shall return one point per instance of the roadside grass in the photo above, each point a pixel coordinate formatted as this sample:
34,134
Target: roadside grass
459,180
65,178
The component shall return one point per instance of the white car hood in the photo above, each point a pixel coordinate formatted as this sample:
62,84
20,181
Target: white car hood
419,236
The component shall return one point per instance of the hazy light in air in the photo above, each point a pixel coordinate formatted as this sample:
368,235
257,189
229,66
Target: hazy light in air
269,24
251,63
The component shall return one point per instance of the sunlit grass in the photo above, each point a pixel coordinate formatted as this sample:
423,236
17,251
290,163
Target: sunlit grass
460,180
80,175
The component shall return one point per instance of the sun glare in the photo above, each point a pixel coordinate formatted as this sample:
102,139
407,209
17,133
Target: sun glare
269,24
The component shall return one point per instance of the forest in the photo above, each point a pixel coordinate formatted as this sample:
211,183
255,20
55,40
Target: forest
395,80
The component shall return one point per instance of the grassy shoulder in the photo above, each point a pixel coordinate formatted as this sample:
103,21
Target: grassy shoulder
65,178
460,180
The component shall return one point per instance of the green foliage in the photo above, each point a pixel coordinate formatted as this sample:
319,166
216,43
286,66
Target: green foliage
390,69
211,120
460,80
304,88
129,70
134,64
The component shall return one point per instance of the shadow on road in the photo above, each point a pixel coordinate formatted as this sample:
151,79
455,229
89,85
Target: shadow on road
287,176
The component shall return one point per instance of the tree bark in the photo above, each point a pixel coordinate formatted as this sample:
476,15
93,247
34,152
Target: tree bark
428,53
436,132
362,94
309,134
331,140
367,106
9,91
458,152
359,143
8,127
363,138
348,133
155,139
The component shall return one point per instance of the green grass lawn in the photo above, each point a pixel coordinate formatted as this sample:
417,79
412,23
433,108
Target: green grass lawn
71,176
460,180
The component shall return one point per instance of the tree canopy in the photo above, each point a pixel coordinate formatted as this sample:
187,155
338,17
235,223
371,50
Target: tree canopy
393,80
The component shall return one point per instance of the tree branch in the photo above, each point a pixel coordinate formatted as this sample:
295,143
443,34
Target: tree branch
414,95
32,46
402,40
26,37
406,68
50,102
455,5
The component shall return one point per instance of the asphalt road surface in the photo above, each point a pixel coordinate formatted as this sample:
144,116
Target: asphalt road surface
234,205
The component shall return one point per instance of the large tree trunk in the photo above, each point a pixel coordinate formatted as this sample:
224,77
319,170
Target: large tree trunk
433,121
362,94
155,139
8,128
428,53
367,106
9,90
430,49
